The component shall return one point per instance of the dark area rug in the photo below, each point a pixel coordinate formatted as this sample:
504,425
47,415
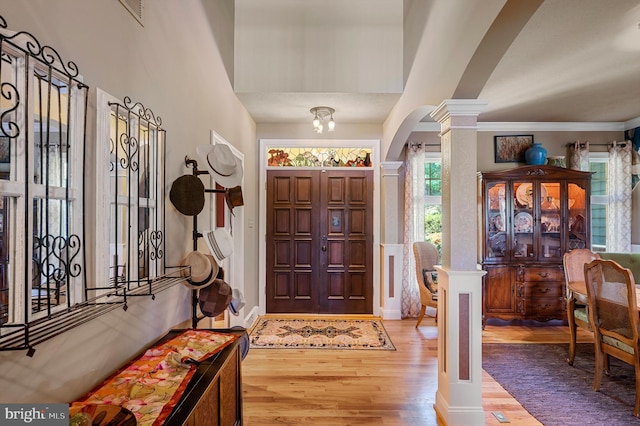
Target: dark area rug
555,393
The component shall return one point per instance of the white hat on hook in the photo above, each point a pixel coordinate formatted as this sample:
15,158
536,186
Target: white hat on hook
222,164
220,243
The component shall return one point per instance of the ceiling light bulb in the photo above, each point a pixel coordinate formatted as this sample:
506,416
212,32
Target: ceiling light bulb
316,122
331,125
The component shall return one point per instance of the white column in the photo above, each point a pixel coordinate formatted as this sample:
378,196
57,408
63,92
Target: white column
391,253
459,394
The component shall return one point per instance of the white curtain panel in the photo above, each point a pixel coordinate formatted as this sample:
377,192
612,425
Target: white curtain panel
635,167
619,207
579,156
413,228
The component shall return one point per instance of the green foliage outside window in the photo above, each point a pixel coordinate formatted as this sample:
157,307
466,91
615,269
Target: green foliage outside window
433,178
433,225
598,211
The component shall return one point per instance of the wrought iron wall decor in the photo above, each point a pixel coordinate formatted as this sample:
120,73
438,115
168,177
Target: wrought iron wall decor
136,165
37,184
42,198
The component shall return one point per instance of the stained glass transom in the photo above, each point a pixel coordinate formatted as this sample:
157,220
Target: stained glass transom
319,157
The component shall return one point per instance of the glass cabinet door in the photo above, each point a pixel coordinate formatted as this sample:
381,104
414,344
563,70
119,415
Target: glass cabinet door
550,221
496,208
523,223
576,225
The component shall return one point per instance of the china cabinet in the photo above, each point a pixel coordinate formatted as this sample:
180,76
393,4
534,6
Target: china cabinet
530,217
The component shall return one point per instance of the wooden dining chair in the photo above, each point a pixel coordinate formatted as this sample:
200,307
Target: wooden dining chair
613,312
426,257
577,306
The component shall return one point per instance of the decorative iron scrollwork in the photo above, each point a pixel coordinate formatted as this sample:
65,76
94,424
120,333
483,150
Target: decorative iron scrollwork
9,92
156,238
59,262
129,145
44,53
143,112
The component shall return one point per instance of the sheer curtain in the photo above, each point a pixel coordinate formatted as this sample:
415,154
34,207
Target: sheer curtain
414,202
579,156
619,189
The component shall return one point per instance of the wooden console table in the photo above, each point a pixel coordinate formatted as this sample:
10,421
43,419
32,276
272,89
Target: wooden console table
214,394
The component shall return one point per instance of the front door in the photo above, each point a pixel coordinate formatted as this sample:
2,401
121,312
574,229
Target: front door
319,241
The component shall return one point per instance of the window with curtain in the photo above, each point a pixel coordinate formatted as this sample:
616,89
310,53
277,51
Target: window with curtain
423,213
433,199
598,164
610,193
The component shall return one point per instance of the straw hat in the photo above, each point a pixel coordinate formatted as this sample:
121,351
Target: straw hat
202,270
222,164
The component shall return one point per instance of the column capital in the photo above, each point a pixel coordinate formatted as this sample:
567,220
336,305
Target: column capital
458,107
391,168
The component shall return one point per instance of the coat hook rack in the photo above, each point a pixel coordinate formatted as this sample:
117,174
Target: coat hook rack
195,319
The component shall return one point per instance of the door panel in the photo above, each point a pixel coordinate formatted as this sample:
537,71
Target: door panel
319,241
290,232
346,267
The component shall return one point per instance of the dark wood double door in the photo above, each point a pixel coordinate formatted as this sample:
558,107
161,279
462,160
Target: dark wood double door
319,241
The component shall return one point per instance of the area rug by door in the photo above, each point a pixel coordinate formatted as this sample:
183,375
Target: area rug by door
555,393
320,334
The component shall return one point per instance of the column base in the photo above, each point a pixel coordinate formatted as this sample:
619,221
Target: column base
391,256
459,394
463,416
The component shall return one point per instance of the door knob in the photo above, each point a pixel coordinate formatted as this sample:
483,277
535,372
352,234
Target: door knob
324,243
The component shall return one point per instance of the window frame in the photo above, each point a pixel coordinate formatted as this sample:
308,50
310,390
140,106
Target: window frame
598,200
430,200
30,68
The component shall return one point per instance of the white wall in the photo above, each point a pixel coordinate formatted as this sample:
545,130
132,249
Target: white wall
309,48
173,66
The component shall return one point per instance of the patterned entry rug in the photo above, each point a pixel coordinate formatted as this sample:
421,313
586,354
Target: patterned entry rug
557,394
320,334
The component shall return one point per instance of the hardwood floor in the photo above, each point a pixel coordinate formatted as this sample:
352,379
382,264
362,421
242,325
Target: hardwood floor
343,387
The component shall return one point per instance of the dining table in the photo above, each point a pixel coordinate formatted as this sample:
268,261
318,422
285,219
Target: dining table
580,287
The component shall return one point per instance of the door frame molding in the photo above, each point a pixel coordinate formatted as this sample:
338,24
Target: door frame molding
233,265
265,144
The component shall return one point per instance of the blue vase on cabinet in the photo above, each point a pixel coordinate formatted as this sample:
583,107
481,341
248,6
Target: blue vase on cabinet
536,155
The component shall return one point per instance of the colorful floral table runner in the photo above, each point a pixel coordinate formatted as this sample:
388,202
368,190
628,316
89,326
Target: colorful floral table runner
151,385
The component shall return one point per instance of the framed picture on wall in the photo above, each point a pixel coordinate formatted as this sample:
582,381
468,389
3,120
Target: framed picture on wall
511,148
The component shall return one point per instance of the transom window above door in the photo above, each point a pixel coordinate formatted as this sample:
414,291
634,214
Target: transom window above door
319,157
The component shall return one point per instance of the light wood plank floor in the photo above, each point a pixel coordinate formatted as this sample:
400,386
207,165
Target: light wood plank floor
318,387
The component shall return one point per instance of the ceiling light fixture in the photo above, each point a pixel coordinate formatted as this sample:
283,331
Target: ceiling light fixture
320,114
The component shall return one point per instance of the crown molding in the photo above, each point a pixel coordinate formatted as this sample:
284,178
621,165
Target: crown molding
540,127
632,124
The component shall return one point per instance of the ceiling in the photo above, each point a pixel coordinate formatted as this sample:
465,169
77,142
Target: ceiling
531,60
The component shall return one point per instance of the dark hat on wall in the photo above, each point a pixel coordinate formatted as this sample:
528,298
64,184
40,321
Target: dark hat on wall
222,164
233,197
187,195
214,298
202,270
